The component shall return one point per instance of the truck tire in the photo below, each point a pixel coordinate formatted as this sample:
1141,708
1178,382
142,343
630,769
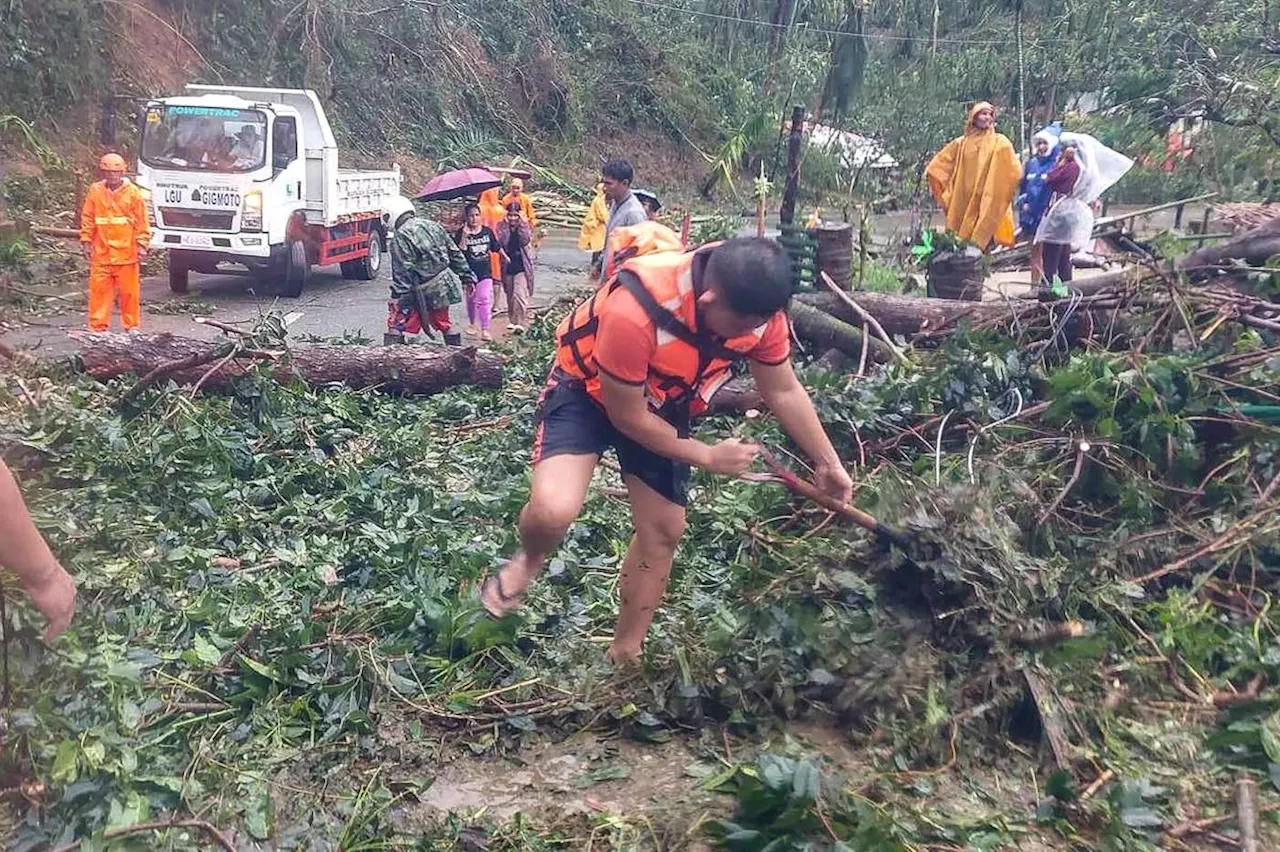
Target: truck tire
295,270
368,267
179,273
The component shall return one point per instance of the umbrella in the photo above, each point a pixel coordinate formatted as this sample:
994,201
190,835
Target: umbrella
457,184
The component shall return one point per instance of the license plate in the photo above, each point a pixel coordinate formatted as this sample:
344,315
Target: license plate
200,240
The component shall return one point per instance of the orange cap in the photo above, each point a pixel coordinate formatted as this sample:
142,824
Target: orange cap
112,163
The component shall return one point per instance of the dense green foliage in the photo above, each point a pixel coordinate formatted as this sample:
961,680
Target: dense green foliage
277,586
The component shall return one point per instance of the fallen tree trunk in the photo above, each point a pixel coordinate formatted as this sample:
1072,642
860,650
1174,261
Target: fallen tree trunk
391,369
913,317
1254,247
905,315
826,331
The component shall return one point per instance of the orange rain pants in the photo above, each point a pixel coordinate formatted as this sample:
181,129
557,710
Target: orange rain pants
109,284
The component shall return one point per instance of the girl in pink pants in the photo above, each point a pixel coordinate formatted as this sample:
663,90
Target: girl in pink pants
478,242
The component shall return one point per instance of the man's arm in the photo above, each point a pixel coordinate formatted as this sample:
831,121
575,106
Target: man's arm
629,411
790,403
24,552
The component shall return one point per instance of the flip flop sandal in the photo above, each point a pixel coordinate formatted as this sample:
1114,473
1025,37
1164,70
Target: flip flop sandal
494,582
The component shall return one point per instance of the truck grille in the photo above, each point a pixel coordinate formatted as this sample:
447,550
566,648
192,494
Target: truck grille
202,220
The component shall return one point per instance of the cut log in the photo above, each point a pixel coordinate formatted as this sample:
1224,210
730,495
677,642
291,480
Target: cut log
391,369
826,331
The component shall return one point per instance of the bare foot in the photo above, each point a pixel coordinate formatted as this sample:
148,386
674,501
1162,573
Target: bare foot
503,591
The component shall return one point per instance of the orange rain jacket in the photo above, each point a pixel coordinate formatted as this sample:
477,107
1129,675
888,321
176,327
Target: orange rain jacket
114,224
525,204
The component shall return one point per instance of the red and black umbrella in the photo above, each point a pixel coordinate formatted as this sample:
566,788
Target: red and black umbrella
461,183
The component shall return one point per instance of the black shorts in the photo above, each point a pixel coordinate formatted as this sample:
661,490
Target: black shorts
570,422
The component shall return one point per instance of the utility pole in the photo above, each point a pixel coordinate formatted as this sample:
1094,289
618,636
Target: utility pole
787,213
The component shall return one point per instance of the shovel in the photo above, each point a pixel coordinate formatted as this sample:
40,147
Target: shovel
806,489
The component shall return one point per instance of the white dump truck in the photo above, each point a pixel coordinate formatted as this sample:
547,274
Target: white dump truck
249,176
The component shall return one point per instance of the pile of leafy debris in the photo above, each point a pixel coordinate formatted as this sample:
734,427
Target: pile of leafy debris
274,579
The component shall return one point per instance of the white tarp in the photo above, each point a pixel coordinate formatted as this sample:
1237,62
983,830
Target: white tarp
857,151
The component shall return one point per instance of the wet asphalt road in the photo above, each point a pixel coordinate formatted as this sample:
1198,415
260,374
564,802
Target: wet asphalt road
330,306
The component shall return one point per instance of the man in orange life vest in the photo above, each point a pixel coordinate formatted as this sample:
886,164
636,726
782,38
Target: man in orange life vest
633,363
114,236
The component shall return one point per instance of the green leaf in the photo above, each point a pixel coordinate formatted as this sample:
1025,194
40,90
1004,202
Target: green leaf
64,764
258,812
260,669
522,722
127,672
807,781
205,651
1269,733
775,771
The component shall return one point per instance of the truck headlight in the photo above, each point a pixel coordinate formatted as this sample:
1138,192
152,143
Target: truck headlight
251,217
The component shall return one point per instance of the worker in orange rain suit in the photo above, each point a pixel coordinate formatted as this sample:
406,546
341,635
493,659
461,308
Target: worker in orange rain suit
114,236
633,364
974,178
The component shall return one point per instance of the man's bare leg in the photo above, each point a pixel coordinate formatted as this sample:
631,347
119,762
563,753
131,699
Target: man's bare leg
647,567
559,489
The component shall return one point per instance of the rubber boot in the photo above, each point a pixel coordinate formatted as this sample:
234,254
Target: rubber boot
453,339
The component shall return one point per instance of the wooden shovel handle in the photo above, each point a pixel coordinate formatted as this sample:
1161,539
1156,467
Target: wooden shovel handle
809,491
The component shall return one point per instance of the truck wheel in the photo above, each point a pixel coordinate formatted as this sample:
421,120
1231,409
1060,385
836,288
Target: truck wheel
179,273
368,267
296,270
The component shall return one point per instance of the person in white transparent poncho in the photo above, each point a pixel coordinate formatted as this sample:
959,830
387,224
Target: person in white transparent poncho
1086,168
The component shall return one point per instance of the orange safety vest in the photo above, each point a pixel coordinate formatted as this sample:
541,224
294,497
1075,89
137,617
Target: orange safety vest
689,364
114,224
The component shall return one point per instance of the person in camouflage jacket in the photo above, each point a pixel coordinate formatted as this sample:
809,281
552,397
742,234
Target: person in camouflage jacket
428,272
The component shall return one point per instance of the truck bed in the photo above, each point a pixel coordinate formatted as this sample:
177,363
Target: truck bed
358,193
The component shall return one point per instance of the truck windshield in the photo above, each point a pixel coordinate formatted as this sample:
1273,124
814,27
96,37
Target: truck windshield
210,139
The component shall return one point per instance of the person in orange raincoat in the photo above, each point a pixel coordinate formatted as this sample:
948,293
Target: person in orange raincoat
491,213
517,195
975,178
591,237
114,236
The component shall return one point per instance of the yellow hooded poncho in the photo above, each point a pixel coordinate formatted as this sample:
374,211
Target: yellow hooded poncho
975,179
591,237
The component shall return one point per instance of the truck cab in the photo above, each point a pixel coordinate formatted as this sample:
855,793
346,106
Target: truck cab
250,176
